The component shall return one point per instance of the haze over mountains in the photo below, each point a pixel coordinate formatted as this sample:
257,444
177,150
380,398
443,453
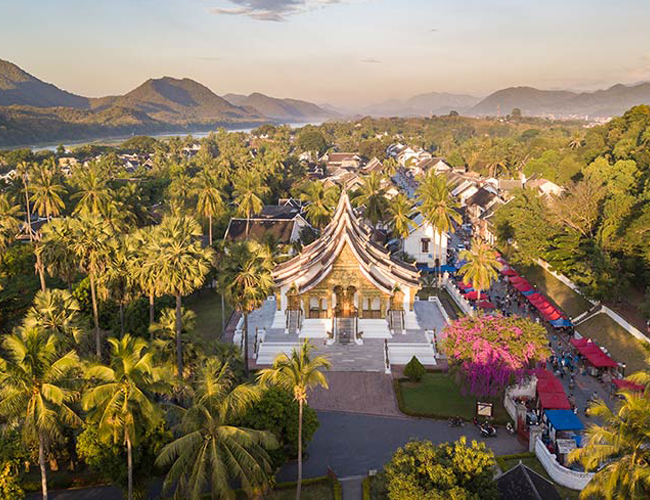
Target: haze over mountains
33,111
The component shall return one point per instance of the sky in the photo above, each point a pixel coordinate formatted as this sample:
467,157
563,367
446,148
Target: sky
343,52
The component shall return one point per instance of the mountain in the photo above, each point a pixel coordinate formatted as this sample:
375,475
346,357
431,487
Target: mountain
183,101
531,101
17,87
599,104
431,103
32,111
279,109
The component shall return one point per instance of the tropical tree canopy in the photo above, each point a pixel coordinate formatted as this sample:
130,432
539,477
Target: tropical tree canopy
492,350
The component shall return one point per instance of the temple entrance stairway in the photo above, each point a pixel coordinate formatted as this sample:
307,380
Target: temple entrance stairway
345,330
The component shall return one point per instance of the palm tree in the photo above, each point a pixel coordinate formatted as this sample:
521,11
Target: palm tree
47,190
120,401
9,221
390,166
22,169
55,250
211,451
481,267
321,202
142,255
94,194
56,312
400,210
116,281
209,202
163,334
181,265
180,191
619,449
36,388
298,374
92,244
248,194
438,208
371,195
247,274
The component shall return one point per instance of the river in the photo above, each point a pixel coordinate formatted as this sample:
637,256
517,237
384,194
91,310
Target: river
51,146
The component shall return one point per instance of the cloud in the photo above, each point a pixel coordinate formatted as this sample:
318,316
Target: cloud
434,30
209,58
370,60
272,10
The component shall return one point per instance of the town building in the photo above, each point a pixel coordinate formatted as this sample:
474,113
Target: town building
426,244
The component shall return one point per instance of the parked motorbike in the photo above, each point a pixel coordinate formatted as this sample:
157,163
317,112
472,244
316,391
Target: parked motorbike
511,429
487,430
456,422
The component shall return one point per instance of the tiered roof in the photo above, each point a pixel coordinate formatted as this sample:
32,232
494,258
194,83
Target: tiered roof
315,262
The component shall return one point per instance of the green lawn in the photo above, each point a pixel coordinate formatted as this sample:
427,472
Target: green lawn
438,396
618,341
572,303
207,306
312,489
530,460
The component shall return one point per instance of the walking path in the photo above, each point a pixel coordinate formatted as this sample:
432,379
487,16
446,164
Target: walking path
352,444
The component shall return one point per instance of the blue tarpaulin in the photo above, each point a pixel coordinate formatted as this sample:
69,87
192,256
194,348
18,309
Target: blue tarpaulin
564,420
529,292
442,269
558,323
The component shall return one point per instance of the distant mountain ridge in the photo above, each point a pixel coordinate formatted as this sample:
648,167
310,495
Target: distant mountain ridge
431,103
278,108
600,103
17,87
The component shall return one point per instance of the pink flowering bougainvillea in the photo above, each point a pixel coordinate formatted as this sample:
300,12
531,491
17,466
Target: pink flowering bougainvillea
493,351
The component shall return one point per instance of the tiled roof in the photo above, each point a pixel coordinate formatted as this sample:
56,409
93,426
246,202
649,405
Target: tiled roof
315,262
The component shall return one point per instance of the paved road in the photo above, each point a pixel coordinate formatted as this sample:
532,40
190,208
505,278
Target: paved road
351,444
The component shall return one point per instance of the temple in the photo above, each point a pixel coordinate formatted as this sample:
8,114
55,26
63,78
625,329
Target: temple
351,299
344,286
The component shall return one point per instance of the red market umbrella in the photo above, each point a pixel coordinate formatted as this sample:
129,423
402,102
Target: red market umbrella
509,272
550,384
621,383
552,316
517,279
554,401
486,304
579,342
473,295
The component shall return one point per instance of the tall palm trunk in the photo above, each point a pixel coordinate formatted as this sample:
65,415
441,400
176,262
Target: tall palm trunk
39,268
246,344
41,463
129,464
27,209
93,296
121,319
179,345
151,309
223,314
299,449
210,228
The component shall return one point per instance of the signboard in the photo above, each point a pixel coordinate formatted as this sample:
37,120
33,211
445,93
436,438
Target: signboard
483,409
565,445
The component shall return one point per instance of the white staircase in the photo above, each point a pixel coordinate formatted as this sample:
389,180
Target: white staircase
315,328
411,321
400,353
396,321
268,351
279,321
374,329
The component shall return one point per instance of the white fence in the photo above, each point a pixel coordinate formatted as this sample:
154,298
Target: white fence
634,331
525,388
575,480
435,299
461,301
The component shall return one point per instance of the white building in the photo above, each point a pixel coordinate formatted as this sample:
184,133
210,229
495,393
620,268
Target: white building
425,244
